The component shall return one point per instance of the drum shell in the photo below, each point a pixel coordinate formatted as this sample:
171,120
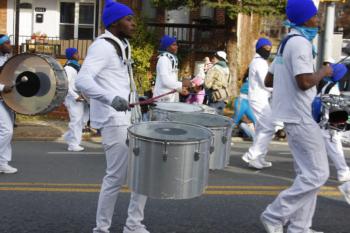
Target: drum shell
208,109
168,170
220,157
159,114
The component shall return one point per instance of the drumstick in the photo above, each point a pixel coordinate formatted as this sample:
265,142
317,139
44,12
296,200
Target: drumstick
151,100
24,79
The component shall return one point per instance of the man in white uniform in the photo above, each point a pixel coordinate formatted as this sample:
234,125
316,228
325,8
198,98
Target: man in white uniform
167,71
294,83
75,103
259,96
104,78
6,114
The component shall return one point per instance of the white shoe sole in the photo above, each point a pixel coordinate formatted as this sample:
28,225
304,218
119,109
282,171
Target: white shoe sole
347,198
245,158
7,172
263,222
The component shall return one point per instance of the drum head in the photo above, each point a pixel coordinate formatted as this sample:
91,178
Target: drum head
36,94
178,107
203,119
170,131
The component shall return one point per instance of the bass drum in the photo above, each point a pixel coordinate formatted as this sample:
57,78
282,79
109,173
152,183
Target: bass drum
46,86
162,110
168,160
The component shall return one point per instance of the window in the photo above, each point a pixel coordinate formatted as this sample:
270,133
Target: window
77,20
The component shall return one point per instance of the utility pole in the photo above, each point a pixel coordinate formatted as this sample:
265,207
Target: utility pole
17,7
329,31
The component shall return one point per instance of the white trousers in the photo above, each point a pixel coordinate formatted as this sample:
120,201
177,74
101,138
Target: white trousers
264,130
78,112
335,151
114,143
297,204
6,132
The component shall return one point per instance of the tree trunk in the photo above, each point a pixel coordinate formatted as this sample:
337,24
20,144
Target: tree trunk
231,49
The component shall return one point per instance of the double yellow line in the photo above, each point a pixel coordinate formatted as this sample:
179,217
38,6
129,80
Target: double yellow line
238,190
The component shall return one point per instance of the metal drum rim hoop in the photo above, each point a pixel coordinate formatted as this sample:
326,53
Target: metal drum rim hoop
169,142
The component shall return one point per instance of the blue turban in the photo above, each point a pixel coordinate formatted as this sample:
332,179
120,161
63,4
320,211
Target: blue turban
300,11
70,52
165,42
339,71
4,39
114,11
262,42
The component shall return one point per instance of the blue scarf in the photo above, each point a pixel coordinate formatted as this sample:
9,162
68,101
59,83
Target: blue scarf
306,32
74,63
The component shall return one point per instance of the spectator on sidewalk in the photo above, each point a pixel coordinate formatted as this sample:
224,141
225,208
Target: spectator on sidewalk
197,97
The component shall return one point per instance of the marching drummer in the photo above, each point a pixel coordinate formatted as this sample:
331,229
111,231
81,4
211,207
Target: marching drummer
77,107
104,78
294,83
332,136
259,96
6,114
167,72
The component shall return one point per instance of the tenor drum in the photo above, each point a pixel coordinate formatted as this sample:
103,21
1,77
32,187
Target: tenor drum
221,127
46,86
162,110
168,160
334,114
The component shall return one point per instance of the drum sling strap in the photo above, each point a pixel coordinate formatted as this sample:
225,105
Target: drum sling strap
125,55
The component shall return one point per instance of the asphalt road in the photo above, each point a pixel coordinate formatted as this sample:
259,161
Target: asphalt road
56,191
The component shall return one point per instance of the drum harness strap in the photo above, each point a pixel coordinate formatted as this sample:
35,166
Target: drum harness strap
125,55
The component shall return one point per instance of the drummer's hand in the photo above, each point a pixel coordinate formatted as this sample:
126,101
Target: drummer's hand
120,104
7,89
327,71
80,99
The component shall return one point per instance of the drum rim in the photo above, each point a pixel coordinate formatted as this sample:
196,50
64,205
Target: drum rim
200,109
182,142
205,113
46,58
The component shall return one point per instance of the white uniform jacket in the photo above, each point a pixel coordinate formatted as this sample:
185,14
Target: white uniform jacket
103,76
167,77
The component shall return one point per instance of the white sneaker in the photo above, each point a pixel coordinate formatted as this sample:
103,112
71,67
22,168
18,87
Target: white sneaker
265,163
137,230
345,191
256,163
75,148
7,169
245,158
344,177
270,228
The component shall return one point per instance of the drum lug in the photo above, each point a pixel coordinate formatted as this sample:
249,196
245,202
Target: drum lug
136,151
127,141
165,157
196,156
224,139
211,149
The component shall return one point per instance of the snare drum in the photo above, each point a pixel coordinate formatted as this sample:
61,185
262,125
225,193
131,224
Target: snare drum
222,129
334,112
162,110
168,160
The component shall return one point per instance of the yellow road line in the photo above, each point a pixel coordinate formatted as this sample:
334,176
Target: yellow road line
217,193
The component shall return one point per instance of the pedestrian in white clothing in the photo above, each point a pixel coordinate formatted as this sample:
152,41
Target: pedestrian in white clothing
259,97
6,114
105,79
167,72
294,83
75,103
